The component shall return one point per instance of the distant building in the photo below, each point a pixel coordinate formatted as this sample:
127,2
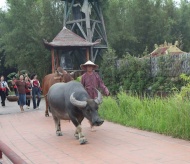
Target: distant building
169,60
166,60
166,48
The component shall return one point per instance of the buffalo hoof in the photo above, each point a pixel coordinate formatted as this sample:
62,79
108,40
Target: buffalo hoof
82,140
59,133
76,136
47,114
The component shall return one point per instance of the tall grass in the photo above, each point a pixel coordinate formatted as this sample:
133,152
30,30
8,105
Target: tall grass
169,116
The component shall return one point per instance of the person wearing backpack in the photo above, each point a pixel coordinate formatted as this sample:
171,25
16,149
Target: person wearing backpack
3,90
36,91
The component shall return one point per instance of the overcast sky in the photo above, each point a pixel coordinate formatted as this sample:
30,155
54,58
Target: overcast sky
2,3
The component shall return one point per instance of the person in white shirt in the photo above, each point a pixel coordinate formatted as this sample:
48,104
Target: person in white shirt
3,89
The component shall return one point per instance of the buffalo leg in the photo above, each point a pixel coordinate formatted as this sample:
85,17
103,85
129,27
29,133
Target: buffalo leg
82,139
57,126
46,112
78,133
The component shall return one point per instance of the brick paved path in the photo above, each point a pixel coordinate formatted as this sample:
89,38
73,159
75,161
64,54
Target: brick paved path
32,136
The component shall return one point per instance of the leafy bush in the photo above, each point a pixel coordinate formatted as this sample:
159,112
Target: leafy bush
185,90
108,71
11,75
78,78
134,74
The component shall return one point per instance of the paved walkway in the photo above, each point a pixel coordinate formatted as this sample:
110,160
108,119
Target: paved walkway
32,136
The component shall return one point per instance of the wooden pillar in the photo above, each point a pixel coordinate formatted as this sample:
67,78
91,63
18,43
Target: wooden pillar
87,54
57,59
53,60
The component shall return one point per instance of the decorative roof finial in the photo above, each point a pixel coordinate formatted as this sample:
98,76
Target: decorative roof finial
155,46
165,44
176,43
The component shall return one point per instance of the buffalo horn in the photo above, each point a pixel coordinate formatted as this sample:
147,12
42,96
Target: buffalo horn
98,100
80,104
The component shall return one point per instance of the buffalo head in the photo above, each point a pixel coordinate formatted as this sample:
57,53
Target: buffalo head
89,108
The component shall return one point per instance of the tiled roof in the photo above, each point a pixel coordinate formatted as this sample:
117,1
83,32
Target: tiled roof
67,38
159,51
166,50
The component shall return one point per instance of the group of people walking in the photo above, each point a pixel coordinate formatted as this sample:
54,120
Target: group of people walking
24,88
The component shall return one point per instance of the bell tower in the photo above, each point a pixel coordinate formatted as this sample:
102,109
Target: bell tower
84,17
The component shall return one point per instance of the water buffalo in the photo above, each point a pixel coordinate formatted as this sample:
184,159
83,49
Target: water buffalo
60,76
70,101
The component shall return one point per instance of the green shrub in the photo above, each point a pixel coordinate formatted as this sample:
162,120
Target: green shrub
78,79
134,74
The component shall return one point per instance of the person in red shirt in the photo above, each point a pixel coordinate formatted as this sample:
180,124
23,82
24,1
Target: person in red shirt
21,85
92,81
35,91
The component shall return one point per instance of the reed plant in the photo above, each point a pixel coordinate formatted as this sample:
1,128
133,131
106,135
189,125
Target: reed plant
169,116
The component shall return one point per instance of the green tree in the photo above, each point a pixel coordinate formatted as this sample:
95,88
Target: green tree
120,26
139,24
184,25
23,28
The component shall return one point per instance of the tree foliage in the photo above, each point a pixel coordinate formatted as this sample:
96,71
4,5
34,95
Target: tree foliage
137,24
133,27
23,28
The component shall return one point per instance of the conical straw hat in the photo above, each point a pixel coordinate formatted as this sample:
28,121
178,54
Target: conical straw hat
88,63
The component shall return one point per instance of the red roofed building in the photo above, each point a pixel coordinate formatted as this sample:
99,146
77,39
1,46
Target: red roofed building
166,48
173,63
